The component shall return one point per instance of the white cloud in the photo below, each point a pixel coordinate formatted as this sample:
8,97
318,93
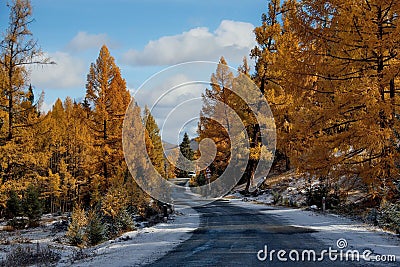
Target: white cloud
232,39
168,91
46,107
181,117
234,33
173,101
68,72
84,41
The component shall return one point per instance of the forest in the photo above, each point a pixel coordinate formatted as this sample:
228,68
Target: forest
70,158
328,69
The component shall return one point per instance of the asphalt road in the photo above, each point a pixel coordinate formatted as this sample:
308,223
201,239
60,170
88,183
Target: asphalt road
232,236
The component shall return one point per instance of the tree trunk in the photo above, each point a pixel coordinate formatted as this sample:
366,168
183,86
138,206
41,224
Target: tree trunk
252,165
105,171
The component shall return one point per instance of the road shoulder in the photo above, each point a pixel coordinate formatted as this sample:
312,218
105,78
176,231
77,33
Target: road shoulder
145,245
330,228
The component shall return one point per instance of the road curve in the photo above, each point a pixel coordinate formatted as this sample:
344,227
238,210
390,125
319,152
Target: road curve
230,235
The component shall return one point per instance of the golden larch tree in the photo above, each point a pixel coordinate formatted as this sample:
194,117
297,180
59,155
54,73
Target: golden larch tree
108,97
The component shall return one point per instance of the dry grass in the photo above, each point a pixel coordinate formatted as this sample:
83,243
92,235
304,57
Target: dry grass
281,178
31,255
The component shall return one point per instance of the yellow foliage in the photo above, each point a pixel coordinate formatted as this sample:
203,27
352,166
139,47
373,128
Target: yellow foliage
114,201
329,72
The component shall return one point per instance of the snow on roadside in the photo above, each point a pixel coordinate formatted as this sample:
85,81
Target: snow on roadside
330,228
144,245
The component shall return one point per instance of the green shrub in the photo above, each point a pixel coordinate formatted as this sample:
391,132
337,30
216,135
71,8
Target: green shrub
13,205
315,194
119,224
276,197
32,205
95,230
200,179
389,217
124,221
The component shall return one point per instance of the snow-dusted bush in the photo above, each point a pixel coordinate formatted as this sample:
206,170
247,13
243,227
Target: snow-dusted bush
13,205
76,229
276,197
389,217
32,205
29,256
119,224
372,216
18,223
124,221
315,195
95,230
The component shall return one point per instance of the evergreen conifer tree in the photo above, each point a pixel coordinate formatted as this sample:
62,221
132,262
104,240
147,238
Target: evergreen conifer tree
186,154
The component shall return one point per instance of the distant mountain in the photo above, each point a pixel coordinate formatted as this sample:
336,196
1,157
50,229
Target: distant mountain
168,147
194,145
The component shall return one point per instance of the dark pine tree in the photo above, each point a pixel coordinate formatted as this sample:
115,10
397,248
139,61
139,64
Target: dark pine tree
156,152
13,205
32,205
188,153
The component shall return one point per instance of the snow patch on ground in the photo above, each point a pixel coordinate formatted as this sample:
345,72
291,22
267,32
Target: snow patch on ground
262,199
144,245
330,228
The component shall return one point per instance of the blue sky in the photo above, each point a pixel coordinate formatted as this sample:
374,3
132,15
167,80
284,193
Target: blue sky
143,36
